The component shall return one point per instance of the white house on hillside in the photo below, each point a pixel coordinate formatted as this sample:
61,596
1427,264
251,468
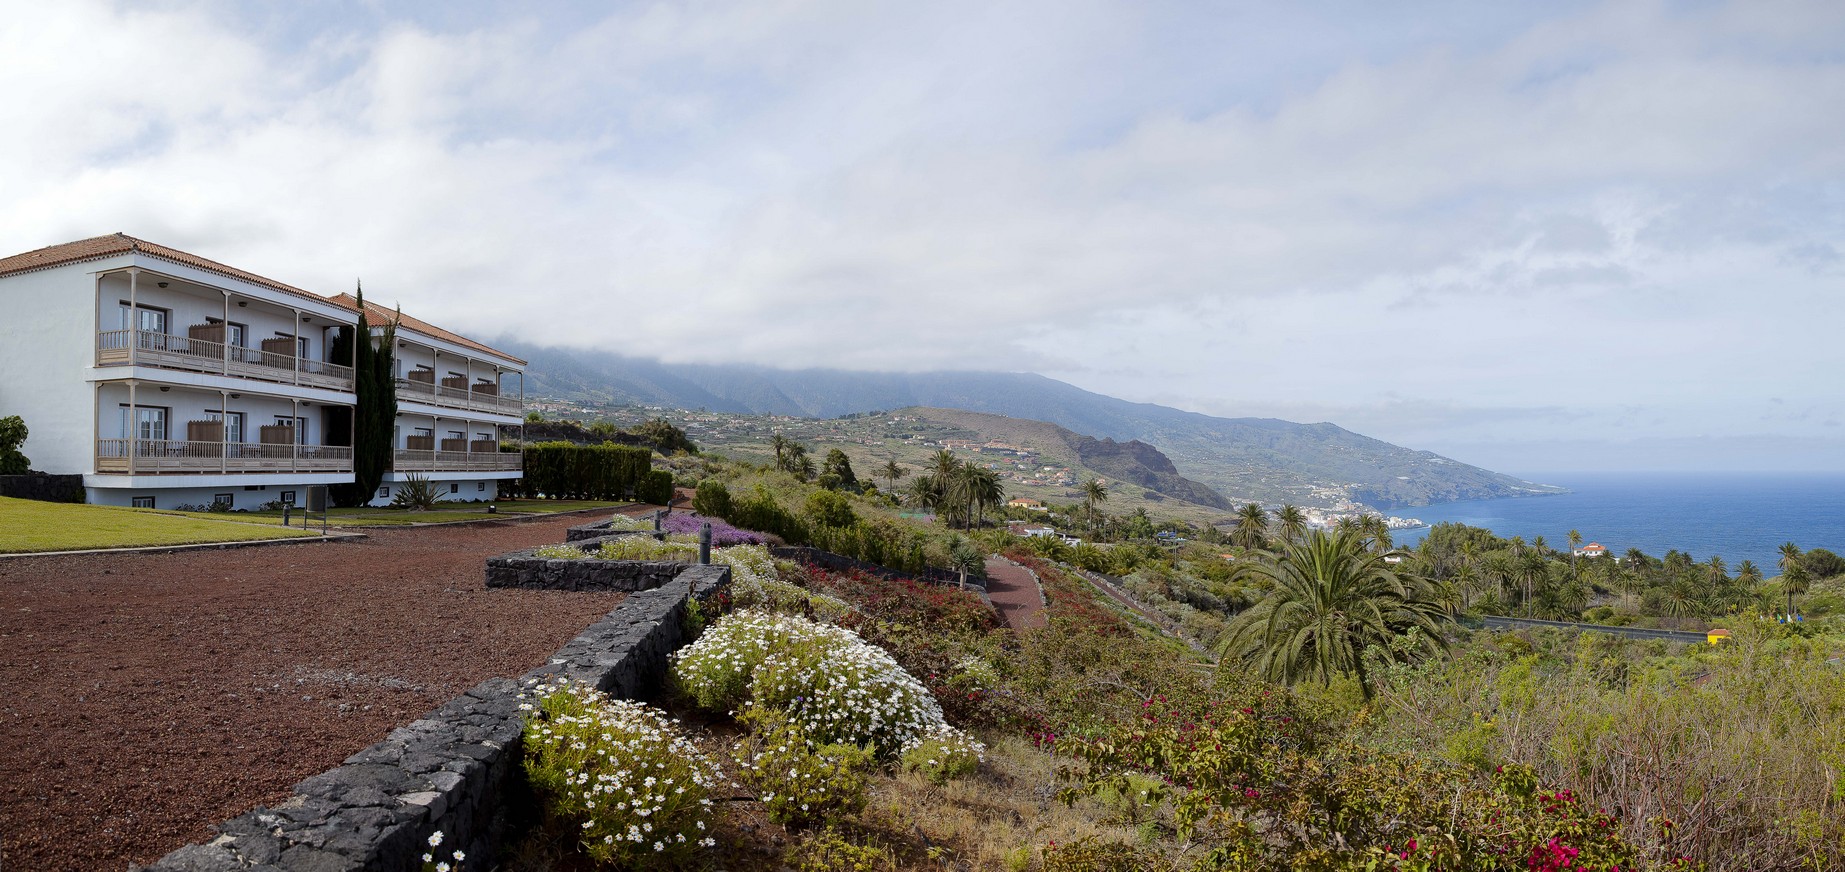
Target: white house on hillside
165,378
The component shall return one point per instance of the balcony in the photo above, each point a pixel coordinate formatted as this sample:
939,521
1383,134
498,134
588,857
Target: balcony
483,398
157,456
272,363
419,460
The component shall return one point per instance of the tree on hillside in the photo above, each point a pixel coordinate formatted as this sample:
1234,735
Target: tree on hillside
664,437
1094,493
1293,522
1575,544
836,473
1331,599
780,445
1251,527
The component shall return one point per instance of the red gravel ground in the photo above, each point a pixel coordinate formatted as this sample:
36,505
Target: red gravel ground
146,697
1015,593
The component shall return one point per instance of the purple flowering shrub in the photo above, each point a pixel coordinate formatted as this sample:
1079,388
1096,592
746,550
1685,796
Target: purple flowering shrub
722,534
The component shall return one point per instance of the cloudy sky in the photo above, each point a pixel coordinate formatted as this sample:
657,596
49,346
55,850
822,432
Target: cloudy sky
1537,237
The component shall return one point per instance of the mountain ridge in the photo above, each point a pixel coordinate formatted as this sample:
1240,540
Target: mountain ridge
1261,459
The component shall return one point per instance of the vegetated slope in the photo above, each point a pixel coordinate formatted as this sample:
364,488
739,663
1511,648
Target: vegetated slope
1132,461
1241,458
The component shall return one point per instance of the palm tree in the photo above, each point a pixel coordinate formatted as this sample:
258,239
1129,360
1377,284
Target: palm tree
1532,569
979,487
1331,599
891,472
1575,545
1093,492
1293,522
1794,580
1501,566
780,443
1251,527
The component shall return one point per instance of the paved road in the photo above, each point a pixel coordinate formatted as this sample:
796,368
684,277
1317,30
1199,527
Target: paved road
1015,593
1493,623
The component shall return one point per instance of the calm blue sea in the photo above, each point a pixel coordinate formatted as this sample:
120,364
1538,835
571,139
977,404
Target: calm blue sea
1741,516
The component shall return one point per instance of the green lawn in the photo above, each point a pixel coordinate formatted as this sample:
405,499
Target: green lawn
386,517
29,525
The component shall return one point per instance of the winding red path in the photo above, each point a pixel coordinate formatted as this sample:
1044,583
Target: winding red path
1015,593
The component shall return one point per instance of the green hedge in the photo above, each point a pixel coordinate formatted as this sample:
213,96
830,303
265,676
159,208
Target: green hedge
566,471
656,488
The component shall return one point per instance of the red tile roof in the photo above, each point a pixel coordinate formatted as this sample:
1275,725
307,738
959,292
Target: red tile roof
99,247
378,314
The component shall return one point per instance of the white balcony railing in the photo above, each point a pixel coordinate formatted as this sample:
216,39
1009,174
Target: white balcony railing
168,351
456,398
150,456
418,460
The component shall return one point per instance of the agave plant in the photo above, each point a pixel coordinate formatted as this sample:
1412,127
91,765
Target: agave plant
417,492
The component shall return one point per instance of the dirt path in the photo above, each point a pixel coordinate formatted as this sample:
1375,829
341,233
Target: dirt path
1015,593
148,696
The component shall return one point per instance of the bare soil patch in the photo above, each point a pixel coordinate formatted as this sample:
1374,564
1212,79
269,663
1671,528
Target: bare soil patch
146,697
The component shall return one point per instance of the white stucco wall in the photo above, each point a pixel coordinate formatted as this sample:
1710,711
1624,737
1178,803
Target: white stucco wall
45,348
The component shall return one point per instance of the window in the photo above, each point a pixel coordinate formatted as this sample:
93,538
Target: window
233,424
288,498
141,502
454,487
300,425
480,486
238,336
384,492
256,487
150,422
457,434
228,500
149,319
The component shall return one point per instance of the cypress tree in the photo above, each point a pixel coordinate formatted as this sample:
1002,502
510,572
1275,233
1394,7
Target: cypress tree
374,409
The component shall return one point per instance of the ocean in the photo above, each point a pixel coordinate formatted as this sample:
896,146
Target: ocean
1740,516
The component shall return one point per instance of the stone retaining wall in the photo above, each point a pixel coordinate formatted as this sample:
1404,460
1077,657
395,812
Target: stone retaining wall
455,770
527,570
603,528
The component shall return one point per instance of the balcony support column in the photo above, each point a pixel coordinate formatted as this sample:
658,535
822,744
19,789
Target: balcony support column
99,317
134,331
96,429
297,355
467,380
296,431
225,339
134,420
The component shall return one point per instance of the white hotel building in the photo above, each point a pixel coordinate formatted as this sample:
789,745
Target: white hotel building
165,379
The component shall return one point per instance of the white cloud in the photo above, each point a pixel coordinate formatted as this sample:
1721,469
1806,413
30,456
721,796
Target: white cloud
1610,207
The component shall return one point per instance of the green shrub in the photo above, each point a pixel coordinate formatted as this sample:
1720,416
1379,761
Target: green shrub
1094,855
656,488
712,499
943,755
828,850
801,782
827,508
631,790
